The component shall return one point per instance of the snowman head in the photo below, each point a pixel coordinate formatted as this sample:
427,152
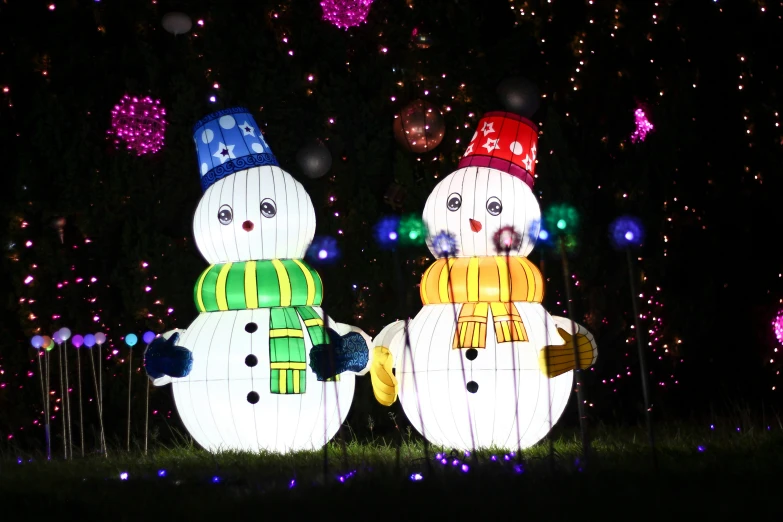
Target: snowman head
251,208
492,188
474,202
258,213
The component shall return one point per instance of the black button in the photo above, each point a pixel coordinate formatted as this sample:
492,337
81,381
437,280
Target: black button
472,386
471,354
253,397
251,360
251,327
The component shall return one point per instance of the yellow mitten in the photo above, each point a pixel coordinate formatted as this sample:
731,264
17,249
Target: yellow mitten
384,383
558,359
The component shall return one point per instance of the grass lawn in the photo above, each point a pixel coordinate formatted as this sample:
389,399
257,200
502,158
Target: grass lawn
718,474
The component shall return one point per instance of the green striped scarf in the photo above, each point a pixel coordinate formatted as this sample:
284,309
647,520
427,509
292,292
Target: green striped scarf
290,288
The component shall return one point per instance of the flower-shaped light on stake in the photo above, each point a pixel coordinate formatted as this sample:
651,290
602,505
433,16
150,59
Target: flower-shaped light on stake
131,339
412,230
444,244
140,123
323,250
506,239
626,232
386,232
560,222
346,13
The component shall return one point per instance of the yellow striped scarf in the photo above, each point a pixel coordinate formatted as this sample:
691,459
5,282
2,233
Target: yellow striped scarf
482,284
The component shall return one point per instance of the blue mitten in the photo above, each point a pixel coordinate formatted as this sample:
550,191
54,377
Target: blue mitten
164,358
347,353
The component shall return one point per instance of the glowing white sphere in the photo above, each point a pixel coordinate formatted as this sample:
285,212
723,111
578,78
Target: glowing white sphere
229,364
258,213
511,387
176,23
472,203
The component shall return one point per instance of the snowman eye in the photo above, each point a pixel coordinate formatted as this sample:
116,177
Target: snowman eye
225,216
268,208
494,206
454,202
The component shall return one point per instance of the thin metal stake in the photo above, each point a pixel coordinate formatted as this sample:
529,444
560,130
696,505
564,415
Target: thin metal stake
577,363
642,361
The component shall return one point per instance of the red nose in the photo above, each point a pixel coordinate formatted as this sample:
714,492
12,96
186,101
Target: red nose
475,226
247,226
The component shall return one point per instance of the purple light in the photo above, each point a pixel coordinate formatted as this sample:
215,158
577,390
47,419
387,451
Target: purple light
712,426
777,326
148,337
643,126
519,469
493,458
346,13
140,123
507,239
444,461
292,484
454,462
124,475
439,456
416,477
465,468
700,448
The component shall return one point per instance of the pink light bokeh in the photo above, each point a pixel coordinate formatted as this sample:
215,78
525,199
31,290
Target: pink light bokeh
346,13
777,326
643,126
140,123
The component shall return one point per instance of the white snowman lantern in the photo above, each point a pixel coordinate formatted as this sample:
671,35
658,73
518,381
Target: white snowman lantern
251,387
492,366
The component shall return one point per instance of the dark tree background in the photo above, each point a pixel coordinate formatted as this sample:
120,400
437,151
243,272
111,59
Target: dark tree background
705,181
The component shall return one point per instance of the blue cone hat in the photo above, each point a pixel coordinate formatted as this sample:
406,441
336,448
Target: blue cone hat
228,141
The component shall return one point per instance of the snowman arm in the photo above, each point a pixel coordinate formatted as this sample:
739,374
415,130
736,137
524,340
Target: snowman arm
343,329
557,359
384,353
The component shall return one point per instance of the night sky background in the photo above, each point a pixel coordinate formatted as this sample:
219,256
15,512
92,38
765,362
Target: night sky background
705,182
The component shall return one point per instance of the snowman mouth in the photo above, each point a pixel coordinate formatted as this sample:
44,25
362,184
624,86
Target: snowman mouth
475,226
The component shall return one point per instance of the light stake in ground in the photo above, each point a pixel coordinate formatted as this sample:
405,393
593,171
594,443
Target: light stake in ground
148,337
77,341
131,341
37,342
626,233
562,220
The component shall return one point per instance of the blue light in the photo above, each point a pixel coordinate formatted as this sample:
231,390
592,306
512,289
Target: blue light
519,469
543,235
323,250
386,231
124,475
215,479
626,231
416,477
161,472
444,244
292,484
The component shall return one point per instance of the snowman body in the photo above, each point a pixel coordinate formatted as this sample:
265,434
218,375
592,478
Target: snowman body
227,401
514,405
229,365
496,396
